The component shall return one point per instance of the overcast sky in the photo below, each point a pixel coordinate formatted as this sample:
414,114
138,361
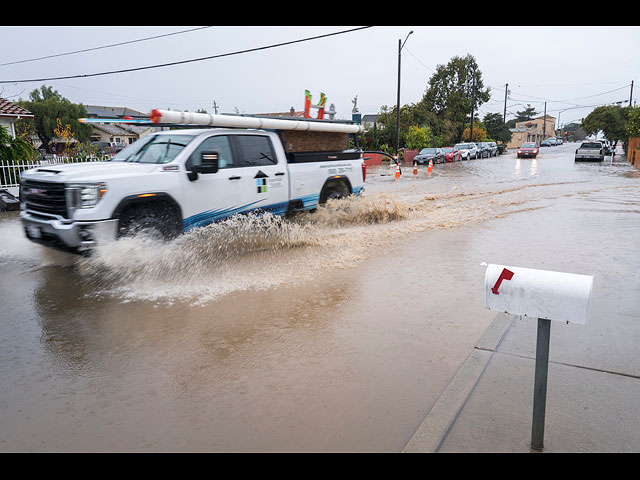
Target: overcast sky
568,67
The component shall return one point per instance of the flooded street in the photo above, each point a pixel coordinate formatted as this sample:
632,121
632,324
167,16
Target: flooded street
335,331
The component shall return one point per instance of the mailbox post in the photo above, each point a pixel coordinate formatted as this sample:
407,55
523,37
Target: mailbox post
548,296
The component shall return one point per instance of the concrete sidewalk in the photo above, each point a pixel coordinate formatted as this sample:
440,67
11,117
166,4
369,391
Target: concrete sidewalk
488,405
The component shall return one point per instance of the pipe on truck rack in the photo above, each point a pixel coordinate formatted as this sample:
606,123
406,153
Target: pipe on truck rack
233,121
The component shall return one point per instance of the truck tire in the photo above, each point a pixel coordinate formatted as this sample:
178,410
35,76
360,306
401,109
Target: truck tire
334,189
156,220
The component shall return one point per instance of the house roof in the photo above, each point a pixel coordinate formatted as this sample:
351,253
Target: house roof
99,111
291,113
10,109
112,129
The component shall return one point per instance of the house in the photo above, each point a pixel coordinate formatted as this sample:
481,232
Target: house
117,133
126,134
370,118
11,113
534,130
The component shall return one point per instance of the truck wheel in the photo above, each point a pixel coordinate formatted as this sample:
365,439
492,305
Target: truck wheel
336,189
154,220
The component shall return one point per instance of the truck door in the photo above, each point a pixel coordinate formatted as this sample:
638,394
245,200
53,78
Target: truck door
213,196
265,185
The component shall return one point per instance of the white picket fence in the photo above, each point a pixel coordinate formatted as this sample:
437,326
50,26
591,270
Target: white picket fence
10,172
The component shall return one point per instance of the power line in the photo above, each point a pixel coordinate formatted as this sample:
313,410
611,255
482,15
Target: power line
563,101
99,48
185,61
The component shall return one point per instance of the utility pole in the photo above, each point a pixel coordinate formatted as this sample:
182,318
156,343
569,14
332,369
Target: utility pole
504,117
544,122
631,94
473,101
400,45
215,107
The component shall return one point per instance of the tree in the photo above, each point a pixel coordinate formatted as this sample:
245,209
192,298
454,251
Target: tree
496,128
633,122
13,151
453,91
418,137
527,114
611,120
47,106
479,134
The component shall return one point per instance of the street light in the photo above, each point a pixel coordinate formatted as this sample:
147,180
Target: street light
400,45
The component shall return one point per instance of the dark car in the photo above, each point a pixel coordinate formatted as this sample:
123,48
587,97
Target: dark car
483,149
426,154
545,143
528,150
493,149
451,154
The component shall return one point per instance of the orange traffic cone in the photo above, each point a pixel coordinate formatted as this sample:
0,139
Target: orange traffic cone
397,171
430,166
415,168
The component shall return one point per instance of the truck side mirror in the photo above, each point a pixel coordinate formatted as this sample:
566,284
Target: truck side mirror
208,162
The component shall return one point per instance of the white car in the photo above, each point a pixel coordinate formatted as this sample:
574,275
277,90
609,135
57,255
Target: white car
468,150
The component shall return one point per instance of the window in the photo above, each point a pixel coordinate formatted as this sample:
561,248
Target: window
220,144
255,150
154,149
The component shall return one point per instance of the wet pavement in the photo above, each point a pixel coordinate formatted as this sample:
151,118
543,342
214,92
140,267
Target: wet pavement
340,331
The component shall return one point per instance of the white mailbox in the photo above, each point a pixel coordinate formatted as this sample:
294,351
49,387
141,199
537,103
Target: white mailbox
538,293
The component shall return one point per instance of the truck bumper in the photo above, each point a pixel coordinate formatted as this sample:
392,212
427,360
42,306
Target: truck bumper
67,235
589,158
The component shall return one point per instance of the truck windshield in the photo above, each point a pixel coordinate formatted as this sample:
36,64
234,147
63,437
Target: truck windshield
154,149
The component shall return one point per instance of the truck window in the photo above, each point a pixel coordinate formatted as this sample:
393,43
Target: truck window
255,150
154,149
220,144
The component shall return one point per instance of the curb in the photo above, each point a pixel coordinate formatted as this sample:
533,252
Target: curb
436,425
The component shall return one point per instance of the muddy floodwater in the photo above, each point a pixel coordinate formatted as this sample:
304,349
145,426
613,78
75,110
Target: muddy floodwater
334,331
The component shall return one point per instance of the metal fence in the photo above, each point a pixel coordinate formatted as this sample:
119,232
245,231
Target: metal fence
10,172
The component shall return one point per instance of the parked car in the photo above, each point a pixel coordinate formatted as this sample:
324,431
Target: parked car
468,150
451,154
528,149
559,141
484,151
553,141
110,148
590,151
545,143
426,154
493,149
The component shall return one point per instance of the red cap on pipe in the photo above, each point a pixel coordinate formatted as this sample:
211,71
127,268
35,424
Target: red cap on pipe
155,115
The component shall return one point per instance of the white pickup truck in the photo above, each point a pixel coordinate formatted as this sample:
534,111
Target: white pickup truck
590,151
176,180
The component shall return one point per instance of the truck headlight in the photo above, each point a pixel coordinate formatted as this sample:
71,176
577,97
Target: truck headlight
87,195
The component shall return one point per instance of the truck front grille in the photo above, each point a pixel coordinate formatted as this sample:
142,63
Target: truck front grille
44,197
